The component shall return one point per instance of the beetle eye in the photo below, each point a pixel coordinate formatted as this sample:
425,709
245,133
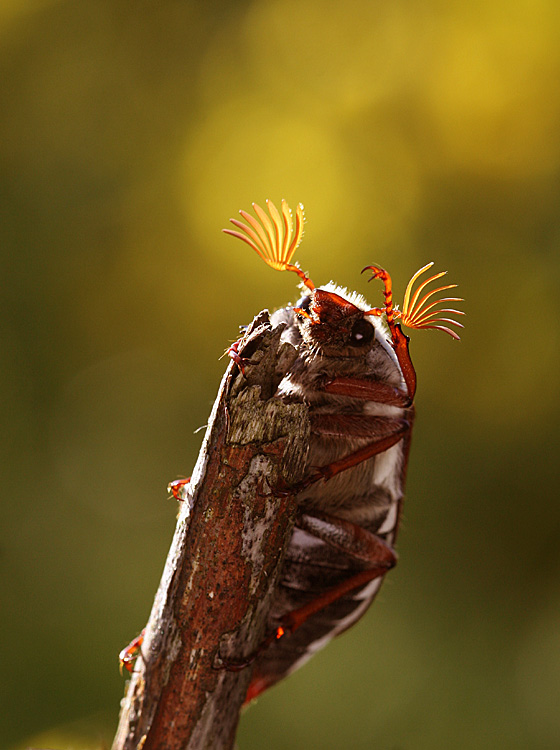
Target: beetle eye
362,333
304,303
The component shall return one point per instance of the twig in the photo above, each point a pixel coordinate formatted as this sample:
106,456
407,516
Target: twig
224,562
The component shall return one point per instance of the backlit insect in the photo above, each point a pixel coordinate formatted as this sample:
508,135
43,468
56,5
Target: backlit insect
354,372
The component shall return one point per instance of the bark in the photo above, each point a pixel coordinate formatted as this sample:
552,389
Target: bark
224,562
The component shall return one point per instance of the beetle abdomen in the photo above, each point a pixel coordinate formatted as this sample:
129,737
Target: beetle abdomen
310,569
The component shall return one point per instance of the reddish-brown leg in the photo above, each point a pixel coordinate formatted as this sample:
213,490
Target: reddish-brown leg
349,539
233,352
353,459
357,426
176,486
128,655
400,343
370,390
398,339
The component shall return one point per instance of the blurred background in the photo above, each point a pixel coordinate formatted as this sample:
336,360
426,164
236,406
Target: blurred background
130,132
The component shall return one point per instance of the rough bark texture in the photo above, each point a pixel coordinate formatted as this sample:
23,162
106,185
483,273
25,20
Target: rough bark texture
224,562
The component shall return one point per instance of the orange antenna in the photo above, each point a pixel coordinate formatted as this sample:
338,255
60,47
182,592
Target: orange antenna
273,236
416,313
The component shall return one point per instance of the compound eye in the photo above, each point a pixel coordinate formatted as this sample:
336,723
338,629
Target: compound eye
304,303
362,333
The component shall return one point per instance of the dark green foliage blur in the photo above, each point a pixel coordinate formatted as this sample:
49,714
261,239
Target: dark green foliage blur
130,132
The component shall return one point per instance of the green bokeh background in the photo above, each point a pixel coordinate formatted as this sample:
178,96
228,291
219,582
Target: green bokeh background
412,131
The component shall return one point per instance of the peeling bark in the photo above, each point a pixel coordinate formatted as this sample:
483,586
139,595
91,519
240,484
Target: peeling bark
224,562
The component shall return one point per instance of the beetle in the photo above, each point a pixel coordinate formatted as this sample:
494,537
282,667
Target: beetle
354,372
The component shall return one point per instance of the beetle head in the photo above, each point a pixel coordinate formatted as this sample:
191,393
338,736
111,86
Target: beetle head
334,324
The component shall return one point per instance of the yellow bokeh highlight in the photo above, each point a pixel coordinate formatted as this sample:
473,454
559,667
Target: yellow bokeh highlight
488,90
248,152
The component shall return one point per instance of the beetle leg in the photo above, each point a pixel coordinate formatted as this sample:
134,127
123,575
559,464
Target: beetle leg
353,459
369,390
352,540
129,654
356,425
347,537
176,486
233,353
231,665
361,545
400,342
248,343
